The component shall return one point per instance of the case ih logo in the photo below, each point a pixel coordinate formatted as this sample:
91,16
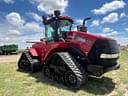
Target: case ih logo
83,40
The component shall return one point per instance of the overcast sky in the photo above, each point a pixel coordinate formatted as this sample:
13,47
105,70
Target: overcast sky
20,20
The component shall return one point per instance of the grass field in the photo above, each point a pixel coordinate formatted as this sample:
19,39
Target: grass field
15,83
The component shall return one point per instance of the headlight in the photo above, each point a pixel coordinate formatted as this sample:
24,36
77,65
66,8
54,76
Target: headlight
109,56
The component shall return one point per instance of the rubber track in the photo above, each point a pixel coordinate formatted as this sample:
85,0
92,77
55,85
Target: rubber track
28,57
75,67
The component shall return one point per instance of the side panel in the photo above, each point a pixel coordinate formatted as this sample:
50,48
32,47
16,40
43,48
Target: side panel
41,50
84,40
55,47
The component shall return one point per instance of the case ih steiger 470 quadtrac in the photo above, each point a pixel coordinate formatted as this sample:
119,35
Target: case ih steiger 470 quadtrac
70,56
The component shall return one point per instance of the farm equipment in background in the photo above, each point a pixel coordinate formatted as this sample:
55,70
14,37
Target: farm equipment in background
68,56
8,49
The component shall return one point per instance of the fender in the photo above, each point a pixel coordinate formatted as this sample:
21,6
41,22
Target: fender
80,56
33,51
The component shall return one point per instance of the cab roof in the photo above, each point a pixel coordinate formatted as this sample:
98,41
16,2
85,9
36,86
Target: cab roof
60,18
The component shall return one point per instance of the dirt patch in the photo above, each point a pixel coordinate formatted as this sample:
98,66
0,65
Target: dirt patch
9,58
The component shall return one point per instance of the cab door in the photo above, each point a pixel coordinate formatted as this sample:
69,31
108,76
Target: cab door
49,31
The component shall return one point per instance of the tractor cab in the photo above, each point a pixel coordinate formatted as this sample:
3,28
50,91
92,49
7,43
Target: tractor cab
56,27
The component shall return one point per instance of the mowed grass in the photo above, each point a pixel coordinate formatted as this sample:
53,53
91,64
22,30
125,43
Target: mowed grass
16,83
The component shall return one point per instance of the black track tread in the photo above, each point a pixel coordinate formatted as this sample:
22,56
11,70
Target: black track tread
23,54
75,67
30,59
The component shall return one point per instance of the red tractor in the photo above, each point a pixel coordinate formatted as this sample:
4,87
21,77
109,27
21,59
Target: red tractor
68,56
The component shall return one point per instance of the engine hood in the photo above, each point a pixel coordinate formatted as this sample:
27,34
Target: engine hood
89,35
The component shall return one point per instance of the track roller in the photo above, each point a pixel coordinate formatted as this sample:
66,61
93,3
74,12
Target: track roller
46,71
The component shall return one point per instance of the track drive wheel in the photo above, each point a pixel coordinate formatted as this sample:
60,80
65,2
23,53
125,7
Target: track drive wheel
75,76
71,80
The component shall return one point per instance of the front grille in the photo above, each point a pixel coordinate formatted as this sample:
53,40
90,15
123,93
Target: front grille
103,46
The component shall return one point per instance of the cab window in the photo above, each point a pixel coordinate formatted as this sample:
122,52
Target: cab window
65,25
49,33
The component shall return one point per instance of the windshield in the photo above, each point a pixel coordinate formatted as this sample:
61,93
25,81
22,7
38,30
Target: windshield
65,25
